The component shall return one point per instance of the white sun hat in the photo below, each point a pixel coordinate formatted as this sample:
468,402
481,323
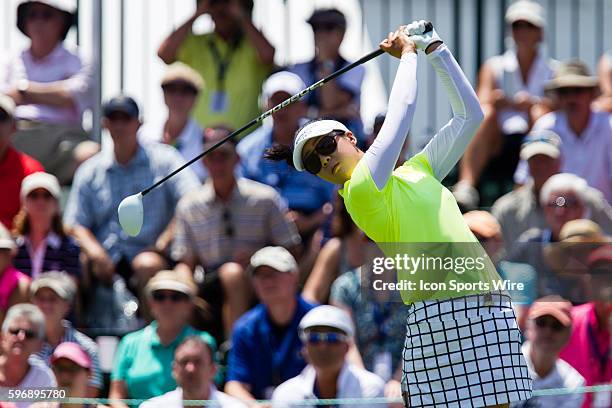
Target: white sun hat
312,130
328,316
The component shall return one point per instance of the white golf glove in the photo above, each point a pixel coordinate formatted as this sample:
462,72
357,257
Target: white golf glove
422,39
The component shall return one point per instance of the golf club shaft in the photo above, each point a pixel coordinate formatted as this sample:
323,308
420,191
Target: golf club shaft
269,112
278,107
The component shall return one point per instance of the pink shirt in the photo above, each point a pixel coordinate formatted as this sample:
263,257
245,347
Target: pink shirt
588,349
9,279
59,65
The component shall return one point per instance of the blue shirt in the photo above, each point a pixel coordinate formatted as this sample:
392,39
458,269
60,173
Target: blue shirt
302,191
264,355
101,183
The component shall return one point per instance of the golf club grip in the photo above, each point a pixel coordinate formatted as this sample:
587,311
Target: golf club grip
286,102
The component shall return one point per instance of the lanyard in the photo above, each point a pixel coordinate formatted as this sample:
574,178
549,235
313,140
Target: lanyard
602,356
222,61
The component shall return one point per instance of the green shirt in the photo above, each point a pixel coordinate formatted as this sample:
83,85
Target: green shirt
411,212
146,365
242,84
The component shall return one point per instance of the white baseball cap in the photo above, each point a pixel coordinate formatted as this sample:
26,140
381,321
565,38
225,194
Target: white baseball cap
282,81
328,316
275,257
40,180
526,10
58,281
542,141
310,131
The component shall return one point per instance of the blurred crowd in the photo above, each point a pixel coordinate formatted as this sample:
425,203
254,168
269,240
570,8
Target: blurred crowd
248,280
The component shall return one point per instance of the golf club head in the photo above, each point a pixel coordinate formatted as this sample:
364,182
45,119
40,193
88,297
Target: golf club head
131,214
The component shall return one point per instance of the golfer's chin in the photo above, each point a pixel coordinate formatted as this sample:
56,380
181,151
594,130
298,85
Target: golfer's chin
338,175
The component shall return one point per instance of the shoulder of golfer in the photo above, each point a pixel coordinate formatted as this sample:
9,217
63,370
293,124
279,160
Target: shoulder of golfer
446,147
384,152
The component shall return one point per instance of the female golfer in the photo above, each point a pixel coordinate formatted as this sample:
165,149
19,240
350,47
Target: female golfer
461,349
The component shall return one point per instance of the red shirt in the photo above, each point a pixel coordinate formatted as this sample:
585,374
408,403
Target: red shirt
13,169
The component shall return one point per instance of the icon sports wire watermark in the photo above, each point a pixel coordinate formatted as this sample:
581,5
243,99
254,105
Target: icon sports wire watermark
425,271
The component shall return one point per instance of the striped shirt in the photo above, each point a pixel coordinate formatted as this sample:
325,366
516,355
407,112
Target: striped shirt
71,335
215,231
57,254
101,183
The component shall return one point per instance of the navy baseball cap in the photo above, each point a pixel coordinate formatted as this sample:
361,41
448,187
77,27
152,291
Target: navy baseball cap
327,16
123,104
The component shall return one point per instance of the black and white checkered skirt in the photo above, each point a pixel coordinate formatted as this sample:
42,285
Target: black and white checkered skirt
464,352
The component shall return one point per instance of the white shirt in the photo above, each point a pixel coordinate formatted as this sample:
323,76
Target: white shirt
38,376
353,382
174,399
189,142
38,255
588,156
562,375
509,79
60,65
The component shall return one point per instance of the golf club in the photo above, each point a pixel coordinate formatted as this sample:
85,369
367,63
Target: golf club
130,209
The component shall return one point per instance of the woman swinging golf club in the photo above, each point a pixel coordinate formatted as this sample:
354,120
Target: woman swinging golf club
462,349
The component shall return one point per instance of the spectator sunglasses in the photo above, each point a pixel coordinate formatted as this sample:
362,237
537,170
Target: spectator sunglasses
29,334
175,297
554,324
323,337
326,145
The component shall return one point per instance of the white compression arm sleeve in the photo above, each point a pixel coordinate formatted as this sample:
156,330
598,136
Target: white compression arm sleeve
446,148
384,152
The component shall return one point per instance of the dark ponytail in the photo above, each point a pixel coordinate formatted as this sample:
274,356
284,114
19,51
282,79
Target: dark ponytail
280,152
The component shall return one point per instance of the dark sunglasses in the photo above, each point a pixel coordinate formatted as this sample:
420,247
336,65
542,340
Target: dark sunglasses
118,117
554,324
41,14
174,296
325,337
572,90
40,194
523,24
227,221
327,27
325,146
563,202
67,368
29,334
182,89
4,117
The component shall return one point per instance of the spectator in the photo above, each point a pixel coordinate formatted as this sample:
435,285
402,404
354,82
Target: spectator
54,293
103,181
194,369
520,210
586,134
562,198
42,243
14,284
488,232
589,345
72,367
339,99
378,315
327,332
265,342
181,86
52,87
305,194
22,334
511,89
234,51
548,330
344,252
142,366
604,102
14,165
221,224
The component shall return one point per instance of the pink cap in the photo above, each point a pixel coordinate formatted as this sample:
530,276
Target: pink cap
73,352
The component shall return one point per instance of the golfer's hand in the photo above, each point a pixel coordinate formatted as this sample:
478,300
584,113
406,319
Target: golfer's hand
422,39
397,43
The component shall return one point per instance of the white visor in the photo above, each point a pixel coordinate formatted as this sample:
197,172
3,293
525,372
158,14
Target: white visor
312,130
